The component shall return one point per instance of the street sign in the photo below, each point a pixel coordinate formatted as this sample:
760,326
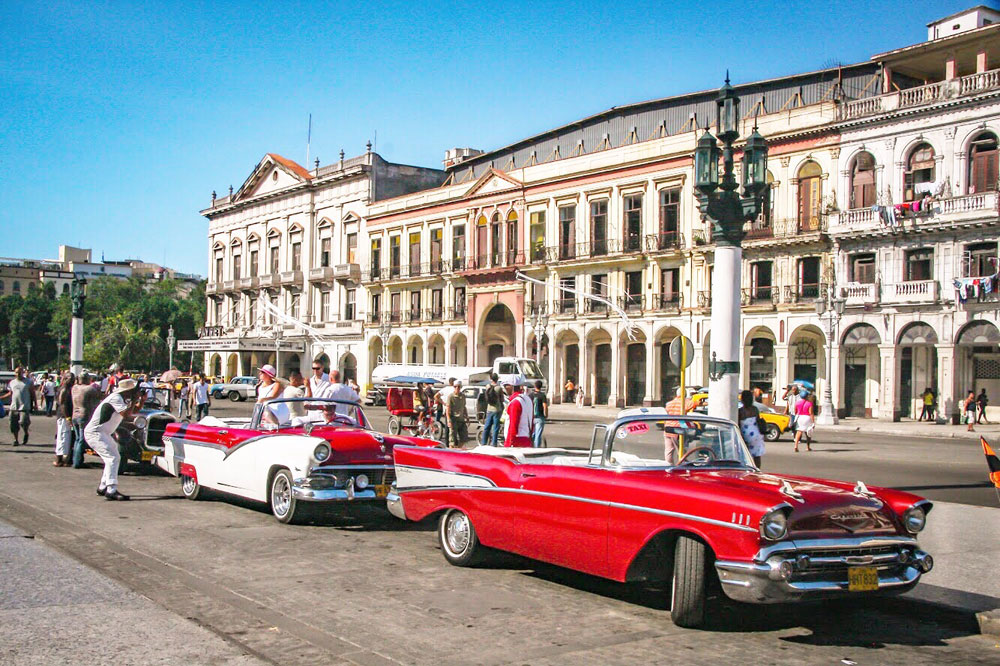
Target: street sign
678,345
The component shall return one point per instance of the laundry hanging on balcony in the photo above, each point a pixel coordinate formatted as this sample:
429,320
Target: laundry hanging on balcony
977,287
886,215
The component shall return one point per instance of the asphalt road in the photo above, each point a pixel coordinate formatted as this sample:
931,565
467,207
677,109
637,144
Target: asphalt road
364,588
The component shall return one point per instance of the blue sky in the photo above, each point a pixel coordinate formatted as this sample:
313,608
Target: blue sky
118,119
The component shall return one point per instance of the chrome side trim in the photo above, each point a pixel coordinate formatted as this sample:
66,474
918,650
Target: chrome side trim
617,505
448,472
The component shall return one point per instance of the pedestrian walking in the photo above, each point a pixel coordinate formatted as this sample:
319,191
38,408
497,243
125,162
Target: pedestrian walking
49,393
86,396
457,416
805,420
541,404
791,397
570,389
580,397
64,422
982,401
200,397
969,409
752,426
928,410
124,402
520,416
184,401
20,405
494,408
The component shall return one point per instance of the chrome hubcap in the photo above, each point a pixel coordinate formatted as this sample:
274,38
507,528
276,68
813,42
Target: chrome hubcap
457,532
188,485
281,496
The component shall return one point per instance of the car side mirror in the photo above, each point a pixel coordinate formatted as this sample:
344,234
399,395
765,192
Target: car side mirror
308,427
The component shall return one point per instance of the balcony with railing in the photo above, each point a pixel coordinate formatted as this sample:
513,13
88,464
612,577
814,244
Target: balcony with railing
566,306
784,231
321,274
630,302
665,241
933,93
803,293
535,308
435,315
764,297
229,285
859,293
670,302
908,217
248,283
291,278
913,291
499,260
269,280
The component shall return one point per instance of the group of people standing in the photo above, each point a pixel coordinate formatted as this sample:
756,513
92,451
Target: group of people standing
521,411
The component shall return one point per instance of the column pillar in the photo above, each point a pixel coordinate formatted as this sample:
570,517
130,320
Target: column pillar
947,380
651,368
836,380
583,381
781,379
889,392
725,329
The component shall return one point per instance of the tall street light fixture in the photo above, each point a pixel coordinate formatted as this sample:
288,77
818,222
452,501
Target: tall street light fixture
384,331
726,211
833,308
170,347
28,344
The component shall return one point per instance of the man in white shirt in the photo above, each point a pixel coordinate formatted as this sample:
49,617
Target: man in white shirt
120,404
318,382
338,391
199,392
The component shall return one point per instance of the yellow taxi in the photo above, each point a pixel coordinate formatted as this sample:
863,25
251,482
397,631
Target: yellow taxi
777,422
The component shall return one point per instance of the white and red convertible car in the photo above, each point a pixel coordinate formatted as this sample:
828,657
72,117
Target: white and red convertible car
291,453
675,499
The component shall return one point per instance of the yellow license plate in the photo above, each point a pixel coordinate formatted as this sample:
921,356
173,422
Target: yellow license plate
147,456
381,490
862,579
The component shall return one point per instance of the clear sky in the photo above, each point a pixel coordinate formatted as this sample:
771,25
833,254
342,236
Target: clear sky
118,119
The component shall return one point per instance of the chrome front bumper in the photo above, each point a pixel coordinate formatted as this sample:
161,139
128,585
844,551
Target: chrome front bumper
799,571
394,503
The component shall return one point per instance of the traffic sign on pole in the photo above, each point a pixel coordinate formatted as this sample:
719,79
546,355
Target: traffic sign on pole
681,351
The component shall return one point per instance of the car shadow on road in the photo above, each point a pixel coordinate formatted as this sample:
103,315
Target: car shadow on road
870,623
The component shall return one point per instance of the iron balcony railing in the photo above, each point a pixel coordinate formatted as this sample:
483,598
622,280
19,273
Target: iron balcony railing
668,302
760,296
664,241
630,302
532,308
595,307
566,305
803,292
434,314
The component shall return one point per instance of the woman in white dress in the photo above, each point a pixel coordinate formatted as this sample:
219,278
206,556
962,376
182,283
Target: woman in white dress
749,426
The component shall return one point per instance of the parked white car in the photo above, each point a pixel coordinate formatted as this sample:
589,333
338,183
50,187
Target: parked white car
237,390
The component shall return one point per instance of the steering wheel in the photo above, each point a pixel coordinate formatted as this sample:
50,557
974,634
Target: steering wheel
343,420
702,450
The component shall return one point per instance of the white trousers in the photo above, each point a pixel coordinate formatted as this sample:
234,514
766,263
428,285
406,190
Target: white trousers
64,437
106,447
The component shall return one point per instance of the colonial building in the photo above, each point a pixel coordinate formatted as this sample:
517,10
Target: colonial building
283,267
917,237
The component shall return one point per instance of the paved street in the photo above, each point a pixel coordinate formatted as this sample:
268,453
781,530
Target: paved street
368,589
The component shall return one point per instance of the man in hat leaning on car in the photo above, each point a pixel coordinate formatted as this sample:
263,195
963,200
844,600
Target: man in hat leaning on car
123,402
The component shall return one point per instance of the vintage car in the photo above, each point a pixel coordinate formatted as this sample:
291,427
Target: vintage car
291,453
674,499
236,389
140,438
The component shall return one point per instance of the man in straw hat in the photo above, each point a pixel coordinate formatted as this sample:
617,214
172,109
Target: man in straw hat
120,404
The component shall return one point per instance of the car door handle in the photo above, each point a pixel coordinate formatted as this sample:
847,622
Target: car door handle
527,474
223,432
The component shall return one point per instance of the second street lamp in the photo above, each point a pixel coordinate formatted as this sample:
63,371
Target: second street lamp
727,211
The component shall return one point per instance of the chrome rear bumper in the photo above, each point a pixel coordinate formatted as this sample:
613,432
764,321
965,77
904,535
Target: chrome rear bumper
819,570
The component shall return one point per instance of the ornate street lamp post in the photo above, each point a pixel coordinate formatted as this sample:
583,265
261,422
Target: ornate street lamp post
384,331
726,211
78,296
833,308
28,344
170,347
538,321
277,349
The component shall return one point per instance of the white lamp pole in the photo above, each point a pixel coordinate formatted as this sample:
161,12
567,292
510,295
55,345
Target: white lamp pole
833,308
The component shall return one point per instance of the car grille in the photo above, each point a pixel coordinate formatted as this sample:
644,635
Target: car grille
824,563
376,476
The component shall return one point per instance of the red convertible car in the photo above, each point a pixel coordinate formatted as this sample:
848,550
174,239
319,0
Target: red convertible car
292,453
674,499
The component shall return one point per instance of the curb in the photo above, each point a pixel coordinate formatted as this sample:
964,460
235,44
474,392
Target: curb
989,622
973,436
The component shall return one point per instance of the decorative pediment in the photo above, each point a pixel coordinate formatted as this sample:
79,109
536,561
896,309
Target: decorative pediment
271,174
492,181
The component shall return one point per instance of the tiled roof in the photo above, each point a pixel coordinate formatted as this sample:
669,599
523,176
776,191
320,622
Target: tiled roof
295,167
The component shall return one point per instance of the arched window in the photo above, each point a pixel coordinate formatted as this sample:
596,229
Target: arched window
482,236
17,287
919,170
512,241
495,239
983,163
863,181
65,288
810,196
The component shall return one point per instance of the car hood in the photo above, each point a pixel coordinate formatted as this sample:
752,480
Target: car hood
819,509
356,446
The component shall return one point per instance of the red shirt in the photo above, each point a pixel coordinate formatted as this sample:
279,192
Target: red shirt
514,414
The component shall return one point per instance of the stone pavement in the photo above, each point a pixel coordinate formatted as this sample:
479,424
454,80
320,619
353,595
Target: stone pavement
55,610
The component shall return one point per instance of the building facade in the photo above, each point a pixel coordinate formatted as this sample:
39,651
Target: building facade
501,255
283,268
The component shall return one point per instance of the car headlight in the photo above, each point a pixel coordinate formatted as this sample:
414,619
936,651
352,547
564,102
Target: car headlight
321,452
774,525
140,422
914,519
361,482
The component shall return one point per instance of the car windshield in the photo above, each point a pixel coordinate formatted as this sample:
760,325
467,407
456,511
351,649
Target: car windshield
530,370
678,442
314,412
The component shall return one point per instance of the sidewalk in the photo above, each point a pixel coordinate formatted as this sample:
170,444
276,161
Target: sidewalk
910,428
55,610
